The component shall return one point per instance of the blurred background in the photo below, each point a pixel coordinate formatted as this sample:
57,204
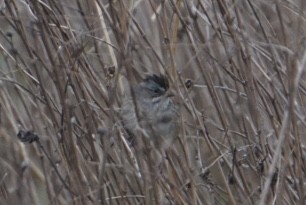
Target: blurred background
237,68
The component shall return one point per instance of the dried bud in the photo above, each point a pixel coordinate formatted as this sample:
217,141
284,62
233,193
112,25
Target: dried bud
27,136
188,83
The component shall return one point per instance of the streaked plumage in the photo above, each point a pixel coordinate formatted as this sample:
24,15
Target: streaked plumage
157,113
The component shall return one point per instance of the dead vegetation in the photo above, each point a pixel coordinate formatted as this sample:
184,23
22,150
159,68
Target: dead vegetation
237,69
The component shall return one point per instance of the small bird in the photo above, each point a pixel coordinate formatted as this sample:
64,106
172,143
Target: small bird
151,110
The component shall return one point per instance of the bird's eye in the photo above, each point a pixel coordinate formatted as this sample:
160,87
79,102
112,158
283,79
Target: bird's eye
156,91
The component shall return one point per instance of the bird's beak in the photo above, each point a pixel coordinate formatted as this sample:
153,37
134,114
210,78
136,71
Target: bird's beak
170,93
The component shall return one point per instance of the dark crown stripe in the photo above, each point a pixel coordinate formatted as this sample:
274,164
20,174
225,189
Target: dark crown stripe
160,80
